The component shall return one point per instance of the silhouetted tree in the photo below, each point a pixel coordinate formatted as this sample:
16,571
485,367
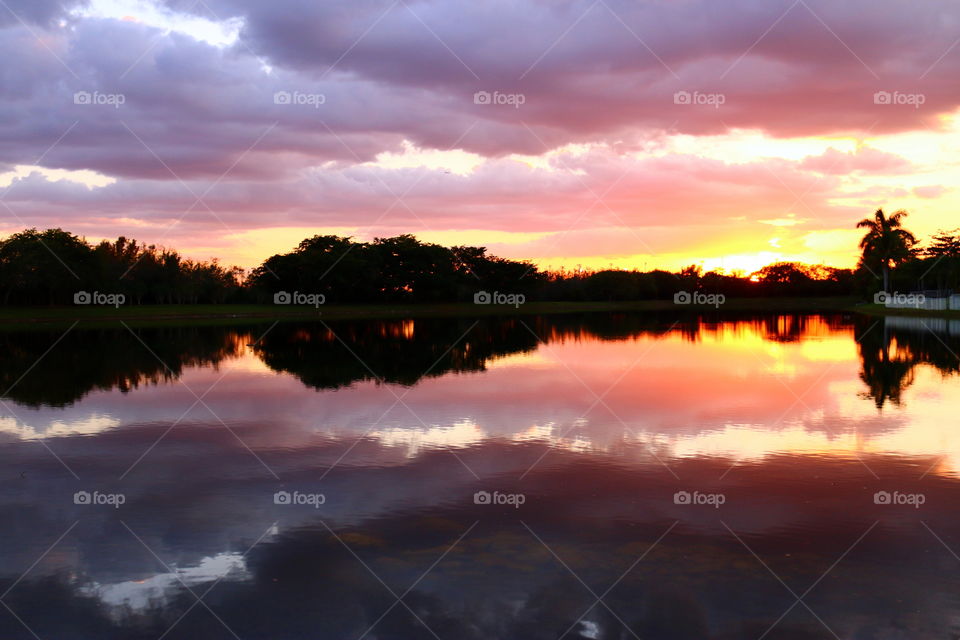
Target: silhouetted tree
941,259
886,242
399,269
49,267
43,267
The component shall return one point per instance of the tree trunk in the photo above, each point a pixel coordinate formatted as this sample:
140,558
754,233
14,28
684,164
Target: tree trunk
886,278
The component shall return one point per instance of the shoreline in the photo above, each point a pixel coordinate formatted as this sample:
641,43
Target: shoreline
13,318
16,317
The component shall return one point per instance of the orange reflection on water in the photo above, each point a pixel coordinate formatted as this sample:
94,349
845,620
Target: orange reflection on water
741,390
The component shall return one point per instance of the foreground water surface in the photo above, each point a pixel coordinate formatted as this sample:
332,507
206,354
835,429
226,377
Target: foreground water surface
597,476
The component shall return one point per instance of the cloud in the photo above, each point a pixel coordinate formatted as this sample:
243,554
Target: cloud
172,117
588,68
864,159
930,191
394,72
37,12
599,189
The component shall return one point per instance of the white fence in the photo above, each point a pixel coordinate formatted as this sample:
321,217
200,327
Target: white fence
919,301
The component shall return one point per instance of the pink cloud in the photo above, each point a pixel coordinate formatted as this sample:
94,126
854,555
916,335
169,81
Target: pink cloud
864,160
930,191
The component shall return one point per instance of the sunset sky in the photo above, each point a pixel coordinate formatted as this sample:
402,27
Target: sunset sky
593,133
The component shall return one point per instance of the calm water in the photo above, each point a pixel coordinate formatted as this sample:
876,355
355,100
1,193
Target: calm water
603,476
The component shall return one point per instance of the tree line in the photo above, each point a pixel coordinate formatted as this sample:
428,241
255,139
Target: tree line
49,267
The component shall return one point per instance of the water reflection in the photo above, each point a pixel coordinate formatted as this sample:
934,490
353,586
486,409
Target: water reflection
892,348
743,389
798,421
502,578
64,367
402,352
335,355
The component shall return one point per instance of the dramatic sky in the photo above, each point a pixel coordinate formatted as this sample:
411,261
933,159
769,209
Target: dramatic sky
574,132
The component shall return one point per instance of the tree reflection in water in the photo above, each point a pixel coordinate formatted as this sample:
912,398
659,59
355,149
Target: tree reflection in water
337,354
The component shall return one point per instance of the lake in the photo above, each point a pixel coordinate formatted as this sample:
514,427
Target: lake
649,476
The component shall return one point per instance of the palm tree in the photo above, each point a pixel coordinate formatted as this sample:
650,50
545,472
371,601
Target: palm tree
886,242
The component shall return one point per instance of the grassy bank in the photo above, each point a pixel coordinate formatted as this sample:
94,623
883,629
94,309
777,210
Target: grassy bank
18,317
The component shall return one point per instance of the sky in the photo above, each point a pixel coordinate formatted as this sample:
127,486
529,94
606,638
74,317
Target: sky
578,134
